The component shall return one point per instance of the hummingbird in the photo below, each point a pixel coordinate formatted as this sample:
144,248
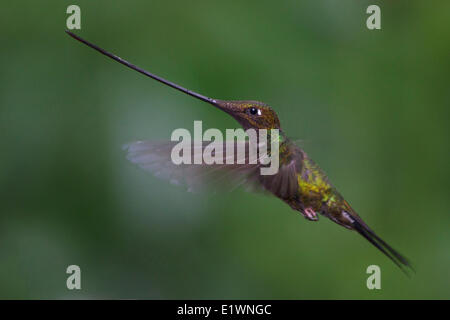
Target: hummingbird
299,182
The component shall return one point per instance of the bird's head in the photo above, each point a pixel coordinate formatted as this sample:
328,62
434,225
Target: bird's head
250,114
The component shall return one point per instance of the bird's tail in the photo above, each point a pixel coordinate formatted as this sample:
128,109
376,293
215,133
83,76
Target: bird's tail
391,253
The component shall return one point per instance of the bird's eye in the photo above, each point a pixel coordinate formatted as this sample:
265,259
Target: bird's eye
254,111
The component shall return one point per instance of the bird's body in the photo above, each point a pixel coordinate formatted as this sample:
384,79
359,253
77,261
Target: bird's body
314,193
299,182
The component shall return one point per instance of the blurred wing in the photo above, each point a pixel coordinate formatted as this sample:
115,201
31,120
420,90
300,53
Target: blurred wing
284,184
155,157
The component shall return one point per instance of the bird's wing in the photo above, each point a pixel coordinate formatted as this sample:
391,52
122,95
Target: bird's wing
284,184
155,157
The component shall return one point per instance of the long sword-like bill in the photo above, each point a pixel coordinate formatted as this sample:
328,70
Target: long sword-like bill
148,74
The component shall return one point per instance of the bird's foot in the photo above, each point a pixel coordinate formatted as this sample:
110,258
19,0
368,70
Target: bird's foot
310,214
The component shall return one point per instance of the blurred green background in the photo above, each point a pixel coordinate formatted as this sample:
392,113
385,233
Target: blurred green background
371,106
